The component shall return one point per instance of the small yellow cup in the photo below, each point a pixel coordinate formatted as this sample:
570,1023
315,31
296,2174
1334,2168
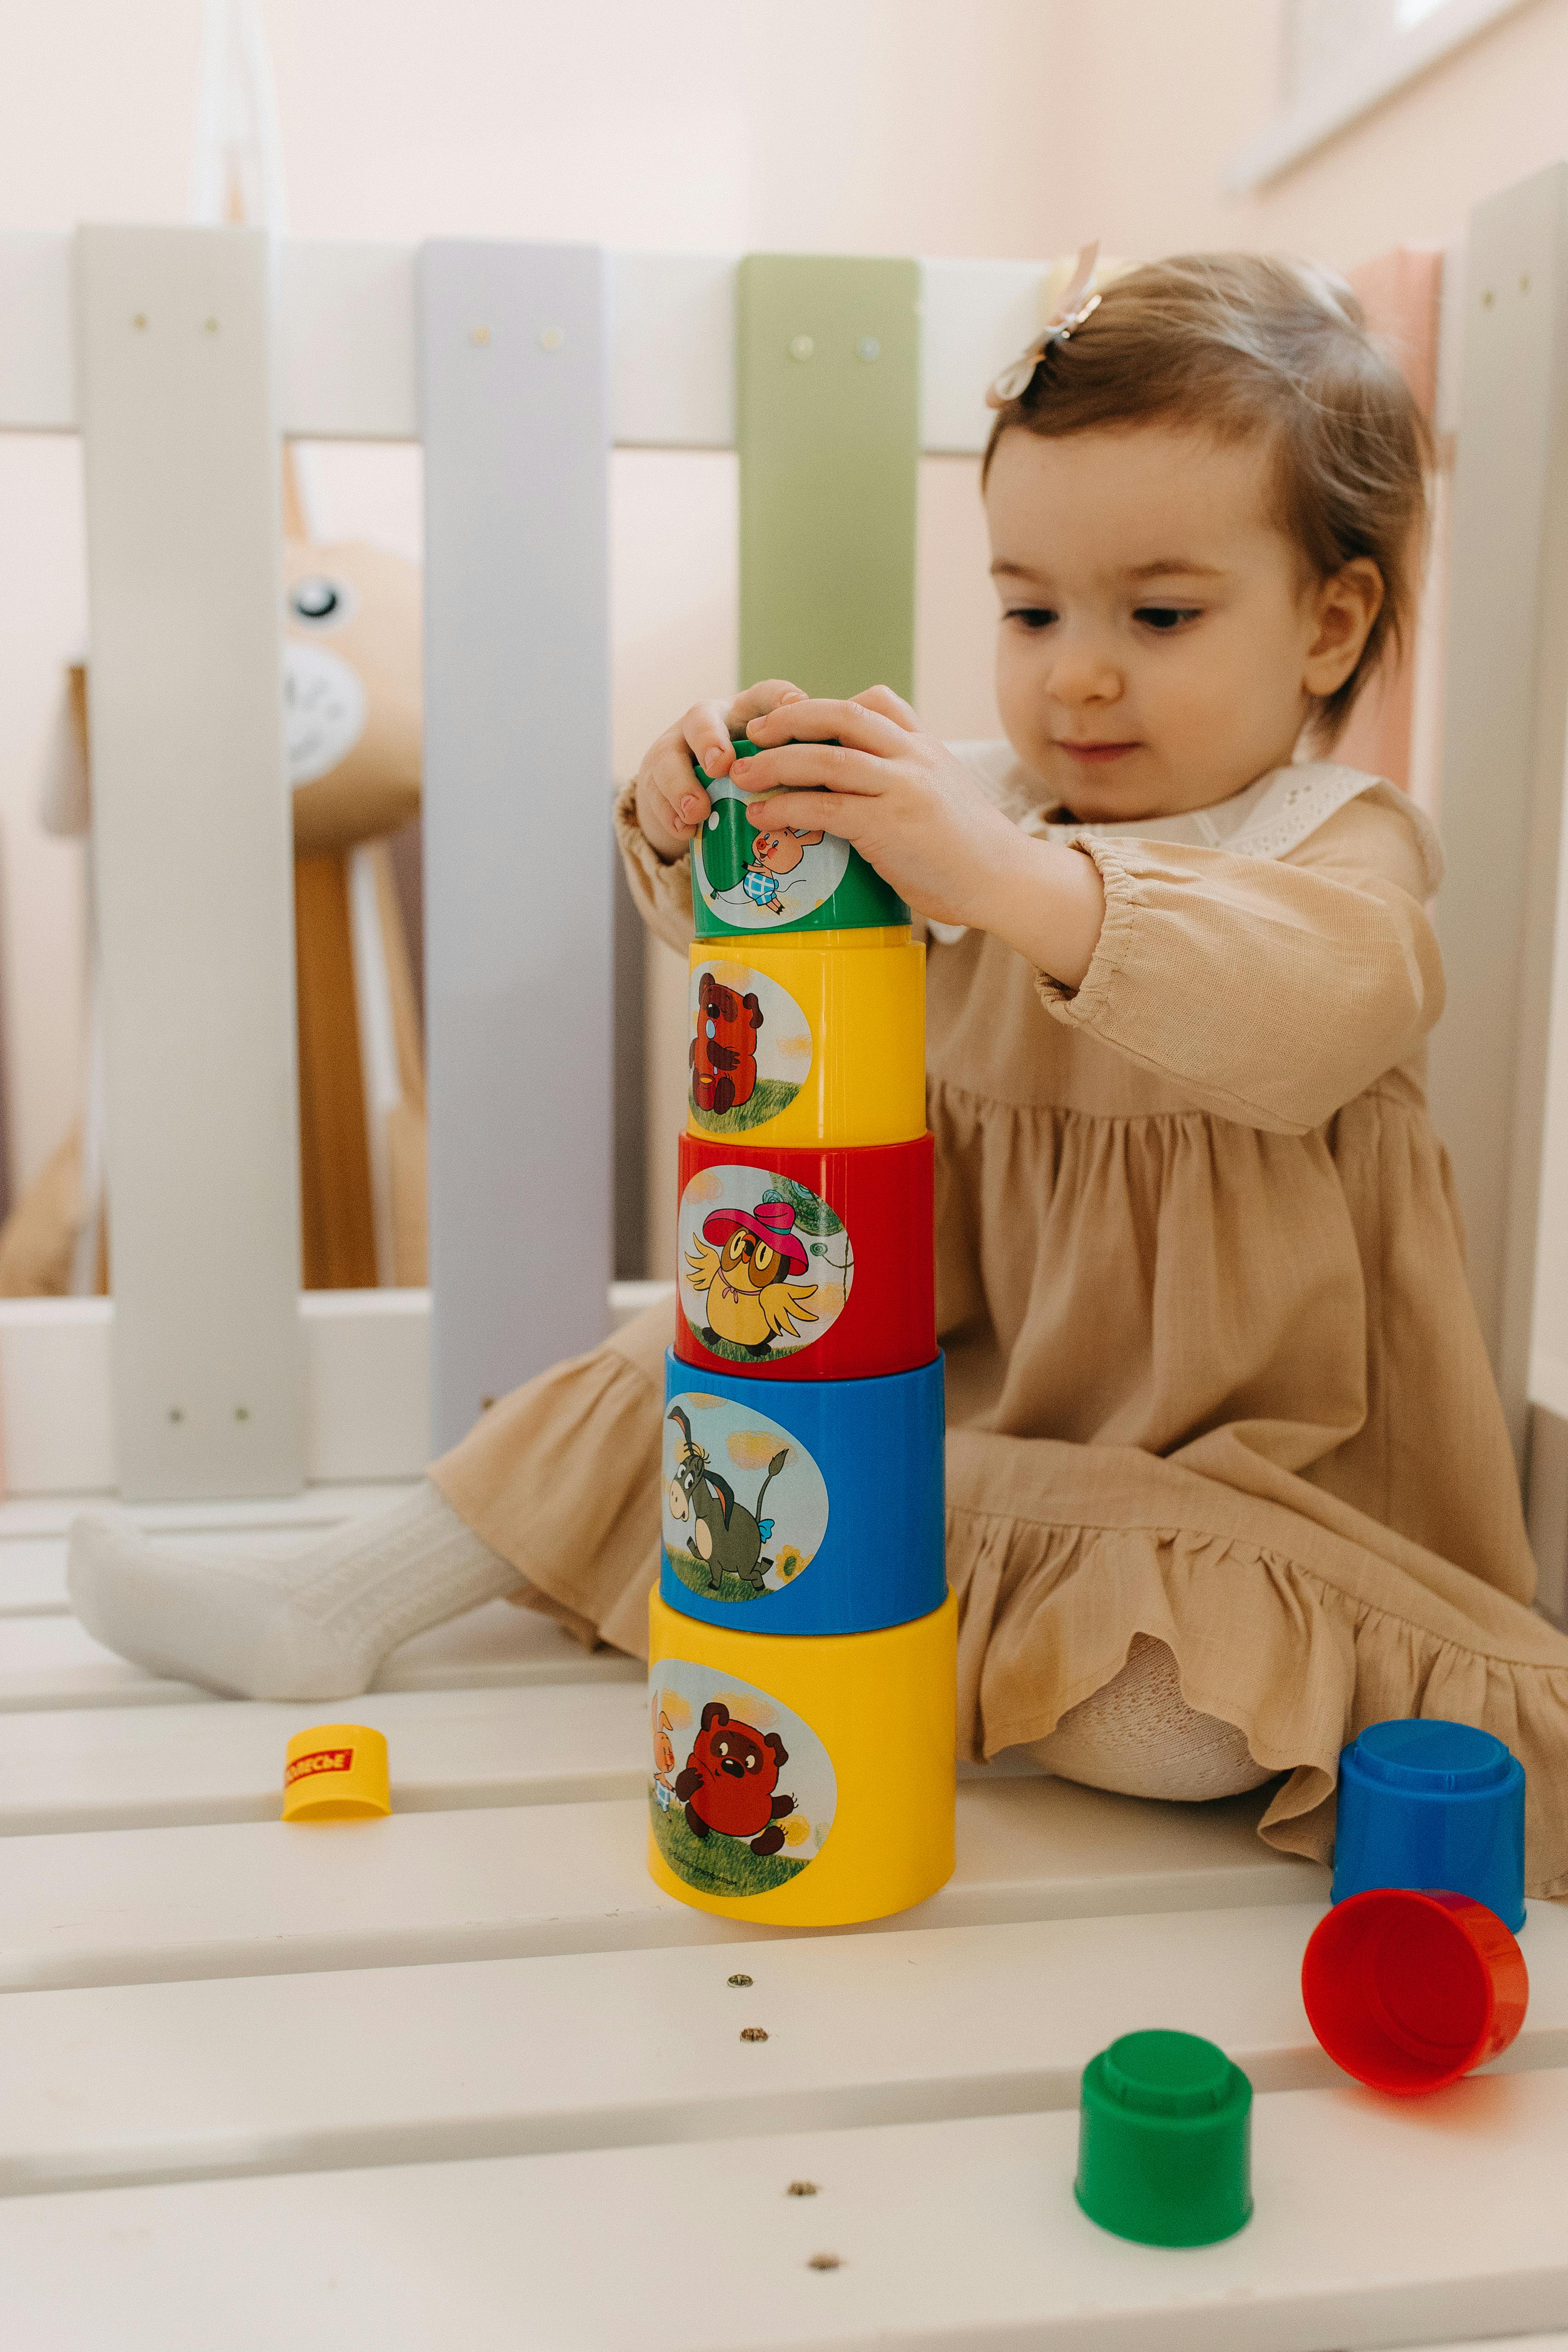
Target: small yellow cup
336,1772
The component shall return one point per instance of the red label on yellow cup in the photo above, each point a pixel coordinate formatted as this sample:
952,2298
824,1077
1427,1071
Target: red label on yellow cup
336,1772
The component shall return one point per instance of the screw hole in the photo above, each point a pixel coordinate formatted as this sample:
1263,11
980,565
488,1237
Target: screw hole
740,1980
551,338
175,1412
826,2263
242,1413
754,2033
480,335
139,321
801,347
209,326
868,348
801,2188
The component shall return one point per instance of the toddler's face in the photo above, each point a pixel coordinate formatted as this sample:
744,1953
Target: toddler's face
1161,640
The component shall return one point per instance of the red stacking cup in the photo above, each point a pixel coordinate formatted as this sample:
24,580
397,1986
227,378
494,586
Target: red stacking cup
1408,1991
808,1264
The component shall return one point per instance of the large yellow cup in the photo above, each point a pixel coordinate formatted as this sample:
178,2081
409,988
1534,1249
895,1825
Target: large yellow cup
817,1037
336,1772
800,1779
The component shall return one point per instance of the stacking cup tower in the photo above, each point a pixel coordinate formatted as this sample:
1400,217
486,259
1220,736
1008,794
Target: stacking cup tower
802,1639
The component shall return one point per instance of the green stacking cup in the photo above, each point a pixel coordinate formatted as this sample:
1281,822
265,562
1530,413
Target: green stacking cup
746,884
1164,2133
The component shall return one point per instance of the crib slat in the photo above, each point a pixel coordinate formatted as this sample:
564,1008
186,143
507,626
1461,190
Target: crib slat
1376,2222
514,370
48,1662
620,2049
146,1768
138,1906
193,880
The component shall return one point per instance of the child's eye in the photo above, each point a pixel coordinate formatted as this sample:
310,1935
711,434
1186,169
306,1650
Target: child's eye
1165,617
1031,616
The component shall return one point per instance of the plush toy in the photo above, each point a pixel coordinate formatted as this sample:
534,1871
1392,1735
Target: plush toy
351,636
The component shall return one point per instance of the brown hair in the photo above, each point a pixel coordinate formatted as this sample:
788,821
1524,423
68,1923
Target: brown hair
1242,345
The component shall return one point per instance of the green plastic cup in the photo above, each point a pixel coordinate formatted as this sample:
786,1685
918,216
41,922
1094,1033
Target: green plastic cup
1165,2141
844,893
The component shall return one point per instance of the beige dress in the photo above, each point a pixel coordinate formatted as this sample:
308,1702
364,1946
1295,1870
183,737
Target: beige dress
1214,1372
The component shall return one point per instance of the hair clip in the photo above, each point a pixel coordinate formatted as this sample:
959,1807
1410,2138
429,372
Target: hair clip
1069,313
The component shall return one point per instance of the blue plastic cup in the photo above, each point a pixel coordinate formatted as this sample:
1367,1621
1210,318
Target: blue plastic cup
1431,1803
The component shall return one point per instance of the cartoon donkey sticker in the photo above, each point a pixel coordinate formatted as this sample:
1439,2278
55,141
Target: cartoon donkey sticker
726,1539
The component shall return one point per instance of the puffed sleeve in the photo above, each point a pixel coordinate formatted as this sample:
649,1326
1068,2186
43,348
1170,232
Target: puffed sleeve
661,893
1271,991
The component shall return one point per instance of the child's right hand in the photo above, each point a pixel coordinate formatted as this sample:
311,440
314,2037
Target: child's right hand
671,804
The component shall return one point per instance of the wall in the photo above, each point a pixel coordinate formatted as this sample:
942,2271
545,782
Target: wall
1006,126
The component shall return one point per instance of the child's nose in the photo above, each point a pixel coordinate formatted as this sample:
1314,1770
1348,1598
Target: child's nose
1084,670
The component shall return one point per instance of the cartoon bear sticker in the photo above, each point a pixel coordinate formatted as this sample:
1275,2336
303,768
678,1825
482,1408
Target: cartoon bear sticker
748,1050
753,1804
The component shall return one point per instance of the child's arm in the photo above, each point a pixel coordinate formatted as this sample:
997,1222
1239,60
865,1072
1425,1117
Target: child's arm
913,809
1271,991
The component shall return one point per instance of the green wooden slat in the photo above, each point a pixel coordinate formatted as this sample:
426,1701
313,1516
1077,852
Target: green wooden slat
829,437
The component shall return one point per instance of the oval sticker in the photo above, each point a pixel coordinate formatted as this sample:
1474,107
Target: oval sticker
758,879
745,1507
743,1792
765,1264
749,1050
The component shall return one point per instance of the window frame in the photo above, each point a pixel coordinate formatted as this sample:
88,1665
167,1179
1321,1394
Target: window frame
1371,74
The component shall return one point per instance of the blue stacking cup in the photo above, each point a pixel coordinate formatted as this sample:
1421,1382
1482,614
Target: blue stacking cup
1432,1805
803,1507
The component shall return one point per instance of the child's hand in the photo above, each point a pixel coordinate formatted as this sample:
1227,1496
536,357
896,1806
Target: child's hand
900,796
671,804
917,815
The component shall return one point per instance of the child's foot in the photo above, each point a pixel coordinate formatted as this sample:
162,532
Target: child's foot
314,1623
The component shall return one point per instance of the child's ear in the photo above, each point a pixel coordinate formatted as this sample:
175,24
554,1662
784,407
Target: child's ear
1343,608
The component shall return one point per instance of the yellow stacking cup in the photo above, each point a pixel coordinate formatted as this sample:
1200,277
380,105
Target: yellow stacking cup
814,1037
804,1781
336,1772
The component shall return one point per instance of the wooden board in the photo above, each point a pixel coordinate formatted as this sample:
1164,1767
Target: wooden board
624,2049
51,1662
191,819
1377,2222
140,1906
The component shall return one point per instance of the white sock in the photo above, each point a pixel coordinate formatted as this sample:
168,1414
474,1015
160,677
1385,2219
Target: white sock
1138,1736
314,1623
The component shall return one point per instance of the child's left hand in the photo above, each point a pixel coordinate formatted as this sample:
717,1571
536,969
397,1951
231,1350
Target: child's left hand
900,796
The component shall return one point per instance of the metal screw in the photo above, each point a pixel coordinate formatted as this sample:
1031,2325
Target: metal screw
801,2188
801,347
740,1980
1524,282
551,338
175,1414
754,2033
479,334
868,348
139,321
1488,298
826,2263
242,1413
209,326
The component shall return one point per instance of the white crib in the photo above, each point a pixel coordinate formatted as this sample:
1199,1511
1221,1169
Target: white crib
464,2076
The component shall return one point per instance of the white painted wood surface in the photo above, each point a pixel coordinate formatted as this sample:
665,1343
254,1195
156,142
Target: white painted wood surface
147,1767
193,882
48,1662
1505,732
346,342
514,392
260,2074
140,1906
1375,2221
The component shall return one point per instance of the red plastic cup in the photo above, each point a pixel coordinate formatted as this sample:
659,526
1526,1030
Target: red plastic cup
1409,1989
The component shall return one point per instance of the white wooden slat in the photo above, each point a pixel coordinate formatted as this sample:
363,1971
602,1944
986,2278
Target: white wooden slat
37,389
144,1767
975,316
1503,748
27,1518
139,1906
619,2049
194,885
48,1663
514,393
346,342
1376,2222
347,366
